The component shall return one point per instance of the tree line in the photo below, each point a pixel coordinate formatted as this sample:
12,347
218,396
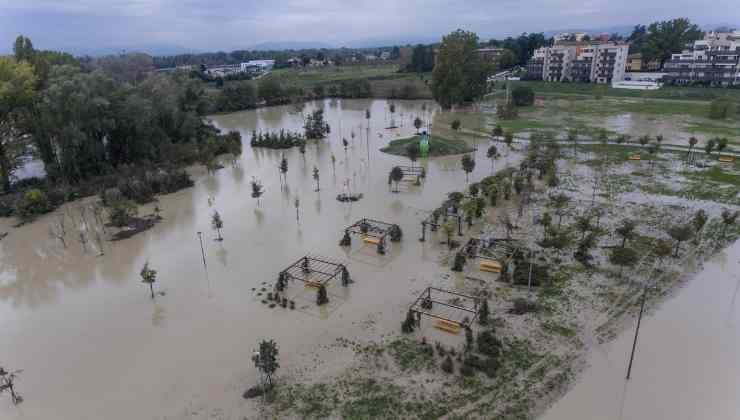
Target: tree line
85,123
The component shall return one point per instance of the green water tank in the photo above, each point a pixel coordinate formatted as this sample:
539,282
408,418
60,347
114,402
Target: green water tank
424,144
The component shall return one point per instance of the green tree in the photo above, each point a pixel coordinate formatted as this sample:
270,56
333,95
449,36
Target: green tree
662,249
492,154
217,224
509,138
483,312
316,177
623,257
497,132
626,230
709,147
413,152
667,37
17,91
459,74
728,219
149,277
468,165
522,96
23,49
266,361
680,233
417,124
395,176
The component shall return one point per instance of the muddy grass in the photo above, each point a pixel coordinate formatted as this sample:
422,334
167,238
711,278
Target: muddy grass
438,146
545,350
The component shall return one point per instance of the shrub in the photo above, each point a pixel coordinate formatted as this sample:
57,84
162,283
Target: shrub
488,344
522,96
721,108
121,212
523,306
33,203
448,366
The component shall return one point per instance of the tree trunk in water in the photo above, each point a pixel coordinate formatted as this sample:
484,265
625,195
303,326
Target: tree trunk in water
151,289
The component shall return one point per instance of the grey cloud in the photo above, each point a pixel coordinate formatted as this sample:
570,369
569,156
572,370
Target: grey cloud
228,24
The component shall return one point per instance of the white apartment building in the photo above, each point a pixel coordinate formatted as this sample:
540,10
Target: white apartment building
580,62
714,60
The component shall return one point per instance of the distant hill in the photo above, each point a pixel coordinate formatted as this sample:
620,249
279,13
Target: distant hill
288,45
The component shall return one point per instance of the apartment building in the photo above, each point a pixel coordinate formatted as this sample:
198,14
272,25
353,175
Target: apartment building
714,60
602,62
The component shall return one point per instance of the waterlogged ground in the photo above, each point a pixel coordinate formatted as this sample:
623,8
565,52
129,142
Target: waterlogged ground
92,344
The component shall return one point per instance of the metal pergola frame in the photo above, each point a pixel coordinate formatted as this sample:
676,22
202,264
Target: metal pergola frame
417,308
413,171
375,229
313,270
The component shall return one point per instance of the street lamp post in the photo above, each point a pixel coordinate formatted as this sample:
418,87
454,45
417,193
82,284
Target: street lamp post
202,250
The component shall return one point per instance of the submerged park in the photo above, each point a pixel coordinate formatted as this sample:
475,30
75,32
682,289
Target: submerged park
371,278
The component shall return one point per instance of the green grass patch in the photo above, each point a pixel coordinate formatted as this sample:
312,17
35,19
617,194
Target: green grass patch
438,146
666,92
411,355
558,329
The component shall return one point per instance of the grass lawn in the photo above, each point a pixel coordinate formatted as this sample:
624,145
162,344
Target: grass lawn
666,92
385,80
438,146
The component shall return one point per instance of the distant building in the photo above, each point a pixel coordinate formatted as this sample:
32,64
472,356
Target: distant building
257,65
714,60
490,55
599,62
636,63
569,37
385,55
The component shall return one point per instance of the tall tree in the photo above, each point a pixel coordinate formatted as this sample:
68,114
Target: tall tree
460,74
266,361
148,276
667,37
468,165
17,91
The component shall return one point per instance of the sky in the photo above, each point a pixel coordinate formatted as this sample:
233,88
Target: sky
211,25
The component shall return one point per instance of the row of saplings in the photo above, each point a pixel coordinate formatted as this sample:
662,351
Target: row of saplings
481,353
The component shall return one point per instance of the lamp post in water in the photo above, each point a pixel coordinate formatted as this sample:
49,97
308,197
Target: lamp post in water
637,329
202,251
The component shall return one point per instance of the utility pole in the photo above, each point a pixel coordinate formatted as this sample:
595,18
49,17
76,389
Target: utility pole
202,251
637,330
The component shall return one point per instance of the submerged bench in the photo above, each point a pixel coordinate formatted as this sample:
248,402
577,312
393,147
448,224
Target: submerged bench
634,157
492,266
371,240
313,284
449,326
726,159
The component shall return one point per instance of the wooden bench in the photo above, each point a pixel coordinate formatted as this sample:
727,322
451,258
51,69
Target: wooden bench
313,284
491,266
727,159
371,240
448,326
634,157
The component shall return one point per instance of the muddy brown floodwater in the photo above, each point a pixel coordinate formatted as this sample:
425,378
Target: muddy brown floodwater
686,365
93,345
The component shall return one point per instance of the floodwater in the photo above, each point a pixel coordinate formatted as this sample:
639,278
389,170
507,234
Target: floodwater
93,345
686,365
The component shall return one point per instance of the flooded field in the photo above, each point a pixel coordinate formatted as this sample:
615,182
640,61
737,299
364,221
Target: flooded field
91,342
686,364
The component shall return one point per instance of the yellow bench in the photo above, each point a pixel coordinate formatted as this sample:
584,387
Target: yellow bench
371,240
313,284
634,157
727,159
492,266
449,326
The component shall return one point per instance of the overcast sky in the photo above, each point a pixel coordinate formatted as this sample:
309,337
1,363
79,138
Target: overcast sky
230,24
